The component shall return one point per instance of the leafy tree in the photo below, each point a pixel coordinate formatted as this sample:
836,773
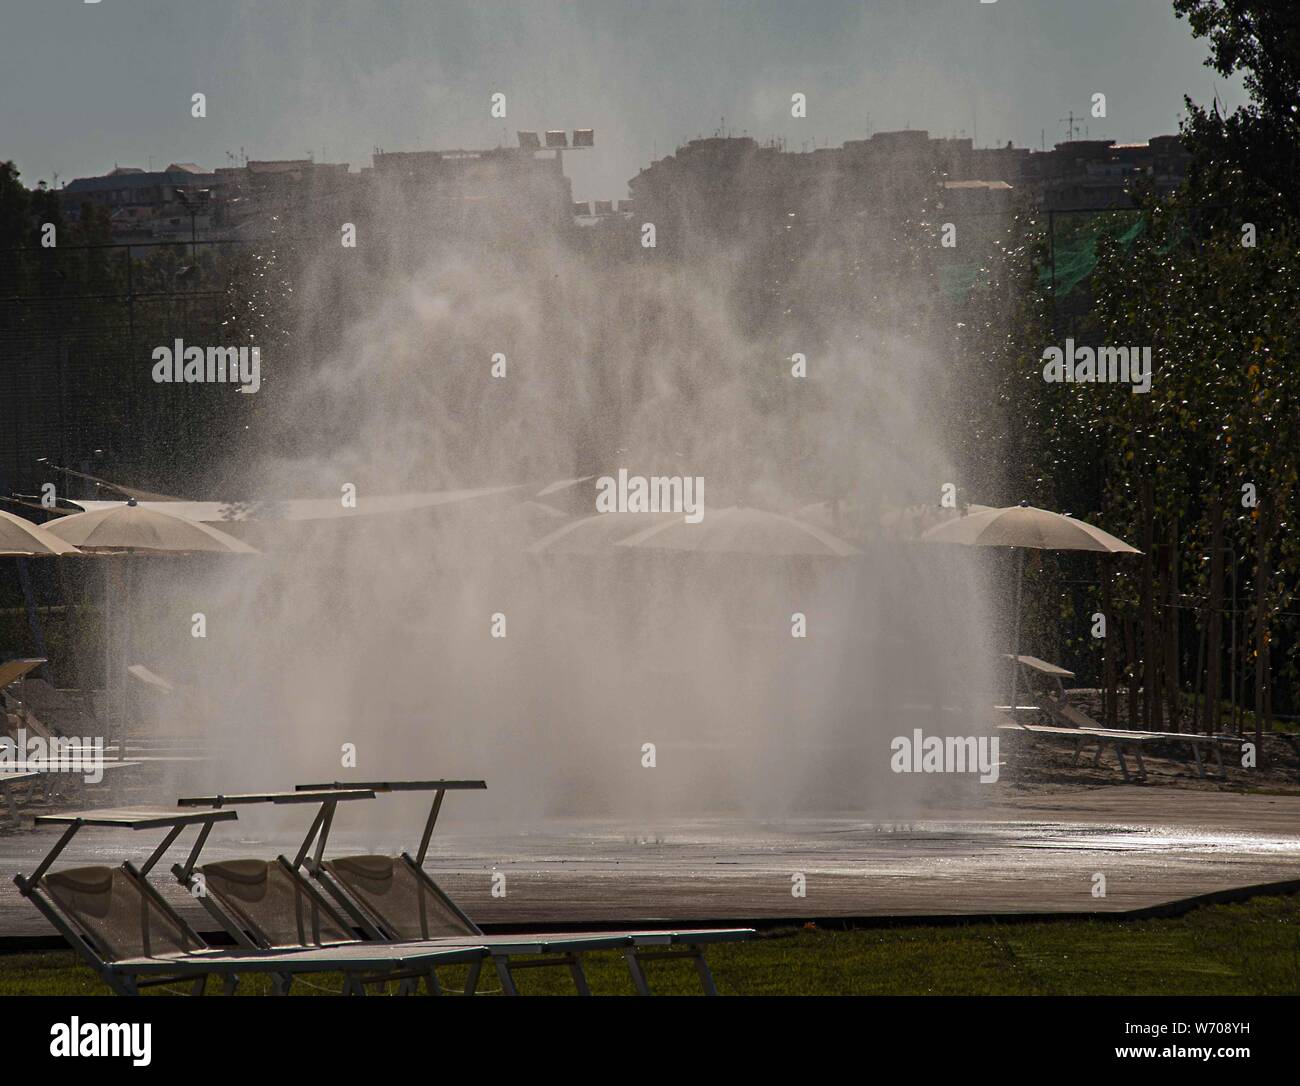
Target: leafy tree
1251,156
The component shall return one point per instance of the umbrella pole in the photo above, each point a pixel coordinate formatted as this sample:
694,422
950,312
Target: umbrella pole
128,604
108,652
1015,639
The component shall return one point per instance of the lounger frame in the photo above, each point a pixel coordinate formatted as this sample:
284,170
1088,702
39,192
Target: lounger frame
556,951
129,975
639,947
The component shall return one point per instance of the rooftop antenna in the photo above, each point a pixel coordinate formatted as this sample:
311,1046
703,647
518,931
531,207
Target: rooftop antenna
1069,120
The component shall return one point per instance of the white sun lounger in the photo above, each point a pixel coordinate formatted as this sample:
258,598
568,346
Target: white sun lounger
395,898
270,904
1071,716
128,933
1071,721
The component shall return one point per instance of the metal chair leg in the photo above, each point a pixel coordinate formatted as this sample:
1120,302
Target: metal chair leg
706,977
579,977
503,973
471,981
638,974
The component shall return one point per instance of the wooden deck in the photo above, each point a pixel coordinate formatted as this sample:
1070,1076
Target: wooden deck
1031,854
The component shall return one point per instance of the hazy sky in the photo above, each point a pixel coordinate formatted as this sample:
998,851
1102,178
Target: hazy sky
85,86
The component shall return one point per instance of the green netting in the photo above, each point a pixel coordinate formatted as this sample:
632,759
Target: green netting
1075,250
958,279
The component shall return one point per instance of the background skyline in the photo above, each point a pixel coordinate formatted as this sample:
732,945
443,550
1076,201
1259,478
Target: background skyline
104,84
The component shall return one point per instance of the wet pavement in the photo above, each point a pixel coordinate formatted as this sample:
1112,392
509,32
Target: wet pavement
1030,854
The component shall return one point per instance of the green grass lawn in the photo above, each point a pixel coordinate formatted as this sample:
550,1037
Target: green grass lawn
1246,949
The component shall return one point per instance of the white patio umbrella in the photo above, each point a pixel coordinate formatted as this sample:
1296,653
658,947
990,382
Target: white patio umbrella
133,529
912,521
1025,527
21,538
130,528
597,533
741,530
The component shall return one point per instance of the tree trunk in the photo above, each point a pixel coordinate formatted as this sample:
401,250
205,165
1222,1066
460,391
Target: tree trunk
1130,650
1172,696
1263,585
1150,655
1110,691
1214,618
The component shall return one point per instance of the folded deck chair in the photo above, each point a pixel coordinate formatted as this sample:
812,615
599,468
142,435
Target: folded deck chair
12,781
395,898
272,905
12,674
128,933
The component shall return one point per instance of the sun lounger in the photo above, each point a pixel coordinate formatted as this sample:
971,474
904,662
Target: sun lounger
1071,716
128,933
26,780
1031,666
263,903
12,673
1081,737
395,898
271,904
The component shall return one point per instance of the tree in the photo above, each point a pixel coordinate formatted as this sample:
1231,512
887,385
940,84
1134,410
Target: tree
1251,156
